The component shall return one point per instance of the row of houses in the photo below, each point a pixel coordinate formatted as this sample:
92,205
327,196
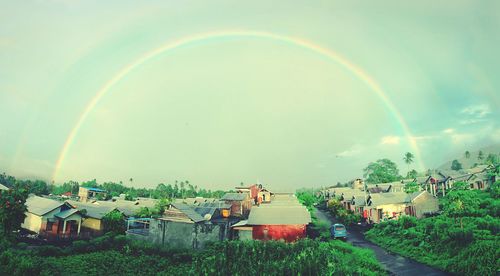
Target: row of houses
55,219
380,202
251,212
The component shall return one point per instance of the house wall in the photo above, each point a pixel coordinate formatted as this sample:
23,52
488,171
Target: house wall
92,224
425,203
32,222
181,234
388,210
288,233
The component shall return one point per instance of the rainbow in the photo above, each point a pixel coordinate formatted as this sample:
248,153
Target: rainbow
185,41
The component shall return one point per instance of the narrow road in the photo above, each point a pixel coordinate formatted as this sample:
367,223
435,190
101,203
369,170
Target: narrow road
395,264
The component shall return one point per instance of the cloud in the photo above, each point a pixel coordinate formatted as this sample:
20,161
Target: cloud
475,114
390,140
354,150
449,130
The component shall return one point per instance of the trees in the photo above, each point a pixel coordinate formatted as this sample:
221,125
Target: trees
455,165
12,209
114,222
480,156
467,154
381,171
408,158
412,174
491,159
411,187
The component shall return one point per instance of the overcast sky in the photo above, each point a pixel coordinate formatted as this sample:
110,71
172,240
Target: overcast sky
243,108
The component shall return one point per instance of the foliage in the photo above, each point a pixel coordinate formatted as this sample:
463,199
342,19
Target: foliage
455,165
114,222
411,187
113,255
12,210
382,171
412,174
336,209
463,239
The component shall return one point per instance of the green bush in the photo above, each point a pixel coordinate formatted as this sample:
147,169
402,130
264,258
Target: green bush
463,240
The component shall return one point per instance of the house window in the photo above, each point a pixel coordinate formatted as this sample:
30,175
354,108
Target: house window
49,225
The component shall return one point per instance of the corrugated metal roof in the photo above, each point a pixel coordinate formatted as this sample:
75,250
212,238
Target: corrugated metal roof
189,211
95,189
2,187
66,213
40,206
279,215
388,198
93,210
235,196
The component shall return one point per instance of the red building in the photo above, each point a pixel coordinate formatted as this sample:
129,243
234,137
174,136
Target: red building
287,223
252,190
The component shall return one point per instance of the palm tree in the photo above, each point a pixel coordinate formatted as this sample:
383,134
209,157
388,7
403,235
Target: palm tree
408,158
467,154
480,155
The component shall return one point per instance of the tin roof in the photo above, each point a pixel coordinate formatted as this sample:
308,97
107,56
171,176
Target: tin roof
279,215
40,206
2,187
93,210
234,196
66,213
188,211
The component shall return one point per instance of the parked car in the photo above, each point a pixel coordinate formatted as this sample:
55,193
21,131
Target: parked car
338,231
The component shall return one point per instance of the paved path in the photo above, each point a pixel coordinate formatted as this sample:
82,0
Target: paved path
395,264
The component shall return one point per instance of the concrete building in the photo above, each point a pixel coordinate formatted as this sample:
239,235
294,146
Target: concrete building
93,214
241,203
284,218
51,219
184,226
86,193
421,203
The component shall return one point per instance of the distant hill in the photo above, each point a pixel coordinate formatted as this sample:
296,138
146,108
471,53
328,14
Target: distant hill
469,162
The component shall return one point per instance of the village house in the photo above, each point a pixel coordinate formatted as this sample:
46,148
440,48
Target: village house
2,187
264,196
93,214
252,190
51,219
383,206
185,226
421,203
241,203
282,219
86,193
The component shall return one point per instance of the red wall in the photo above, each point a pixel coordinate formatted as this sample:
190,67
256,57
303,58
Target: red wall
289,233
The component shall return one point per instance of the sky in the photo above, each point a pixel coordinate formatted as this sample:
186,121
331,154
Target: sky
290,93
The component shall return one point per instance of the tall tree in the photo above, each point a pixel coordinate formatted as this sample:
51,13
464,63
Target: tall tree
480,155
381,171
455,165
12,209
408,158
467,154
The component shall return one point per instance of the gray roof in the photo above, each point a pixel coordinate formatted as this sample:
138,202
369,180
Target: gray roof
414,195
128,208
234,196
388,198
66,213
2,187
40,206
220,205
93,210
279,215
189,211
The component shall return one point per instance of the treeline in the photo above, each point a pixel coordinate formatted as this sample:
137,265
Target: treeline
464,239
180,189
115,255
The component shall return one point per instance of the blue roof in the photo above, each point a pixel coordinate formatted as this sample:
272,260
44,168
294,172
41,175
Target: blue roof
95,189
